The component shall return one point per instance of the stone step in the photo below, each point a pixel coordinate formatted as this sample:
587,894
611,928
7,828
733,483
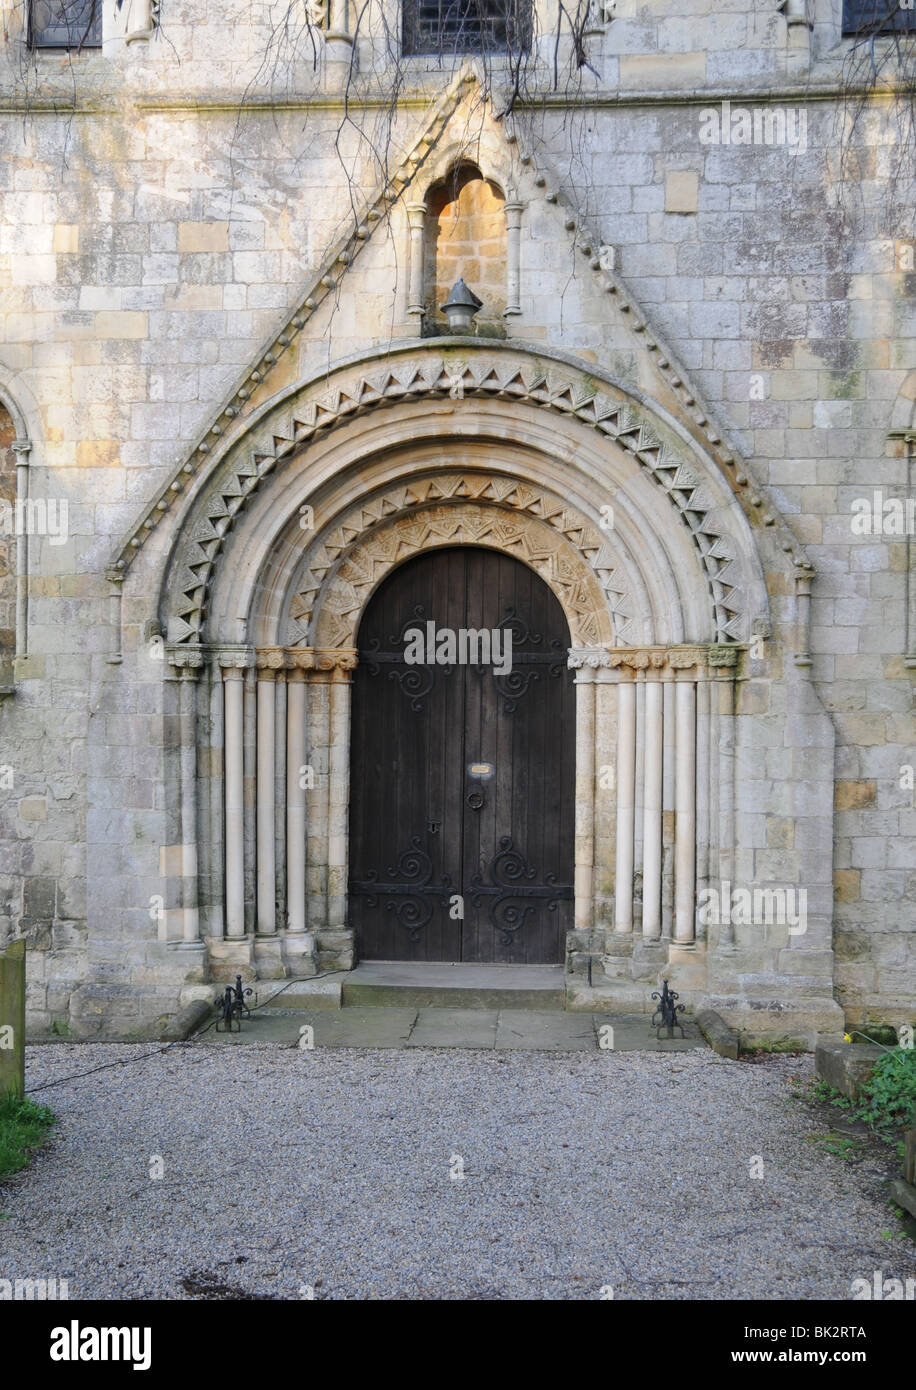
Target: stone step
323,992
383,984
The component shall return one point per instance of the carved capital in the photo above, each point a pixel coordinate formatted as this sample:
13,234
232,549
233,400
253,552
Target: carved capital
719,656
232,658
270,659
184,659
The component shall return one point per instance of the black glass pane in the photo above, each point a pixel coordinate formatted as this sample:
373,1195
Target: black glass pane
466,26
878,16
66,24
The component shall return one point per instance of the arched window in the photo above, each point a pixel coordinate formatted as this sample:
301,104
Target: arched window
466,239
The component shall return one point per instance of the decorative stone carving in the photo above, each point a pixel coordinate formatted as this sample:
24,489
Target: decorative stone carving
508,375
650,658
346,564
304,659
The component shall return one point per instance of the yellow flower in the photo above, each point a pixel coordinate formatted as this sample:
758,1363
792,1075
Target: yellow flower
847,1037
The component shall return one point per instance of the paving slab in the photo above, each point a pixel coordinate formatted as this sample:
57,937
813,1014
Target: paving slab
546,1032
529,1030
632,1033
362,1027
455,1028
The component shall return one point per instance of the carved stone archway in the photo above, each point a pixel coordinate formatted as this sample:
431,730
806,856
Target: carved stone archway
329,600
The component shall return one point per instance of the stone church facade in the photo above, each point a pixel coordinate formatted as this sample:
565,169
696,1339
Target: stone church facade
235,414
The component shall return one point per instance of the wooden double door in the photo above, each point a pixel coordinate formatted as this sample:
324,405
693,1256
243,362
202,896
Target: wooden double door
462,771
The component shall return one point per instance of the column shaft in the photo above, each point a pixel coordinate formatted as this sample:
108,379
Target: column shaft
584,877
685,847
416,221
187,697
626,801
338,797
652,814
513,213
295,801
233,686
668,779
702,794
266,771
216,892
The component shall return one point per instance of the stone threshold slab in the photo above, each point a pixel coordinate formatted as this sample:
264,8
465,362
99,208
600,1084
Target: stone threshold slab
528,1030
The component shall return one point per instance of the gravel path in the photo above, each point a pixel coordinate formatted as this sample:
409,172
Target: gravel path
286,1170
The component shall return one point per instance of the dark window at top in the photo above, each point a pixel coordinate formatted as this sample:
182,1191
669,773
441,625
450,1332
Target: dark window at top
466,26
65,24
878,16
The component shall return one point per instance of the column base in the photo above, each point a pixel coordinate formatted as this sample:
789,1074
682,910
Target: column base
648,959
268,957
618,950
231,956
299,955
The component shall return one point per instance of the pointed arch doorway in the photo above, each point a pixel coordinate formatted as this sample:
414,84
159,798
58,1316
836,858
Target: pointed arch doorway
462,773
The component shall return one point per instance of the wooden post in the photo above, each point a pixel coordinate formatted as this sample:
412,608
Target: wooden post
12,1020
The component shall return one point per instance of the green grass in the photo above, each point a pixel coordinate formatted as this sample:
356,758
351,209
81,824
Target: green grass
24,1126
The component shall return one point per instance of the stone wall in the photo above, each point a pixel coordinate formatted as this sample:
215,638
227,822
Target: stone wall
155,239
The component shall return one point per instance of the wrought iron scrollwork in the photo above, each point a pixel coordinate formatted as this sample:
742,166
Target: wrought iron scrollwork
514,686
409,891
415,681
511,895
666,1013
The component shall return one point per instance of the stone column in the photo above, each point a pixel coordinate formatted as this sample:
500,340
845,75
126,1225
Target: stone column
416,221
338,47
803,578
339,789
909,659
187,696
668,771
652,813
606,682
299,952
639,675
626,805
317,836
180,923
723,664
22,448
280,794
584,874
513,210
115,594
233,762
266,763
215,849
703,798
685,811
798,38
